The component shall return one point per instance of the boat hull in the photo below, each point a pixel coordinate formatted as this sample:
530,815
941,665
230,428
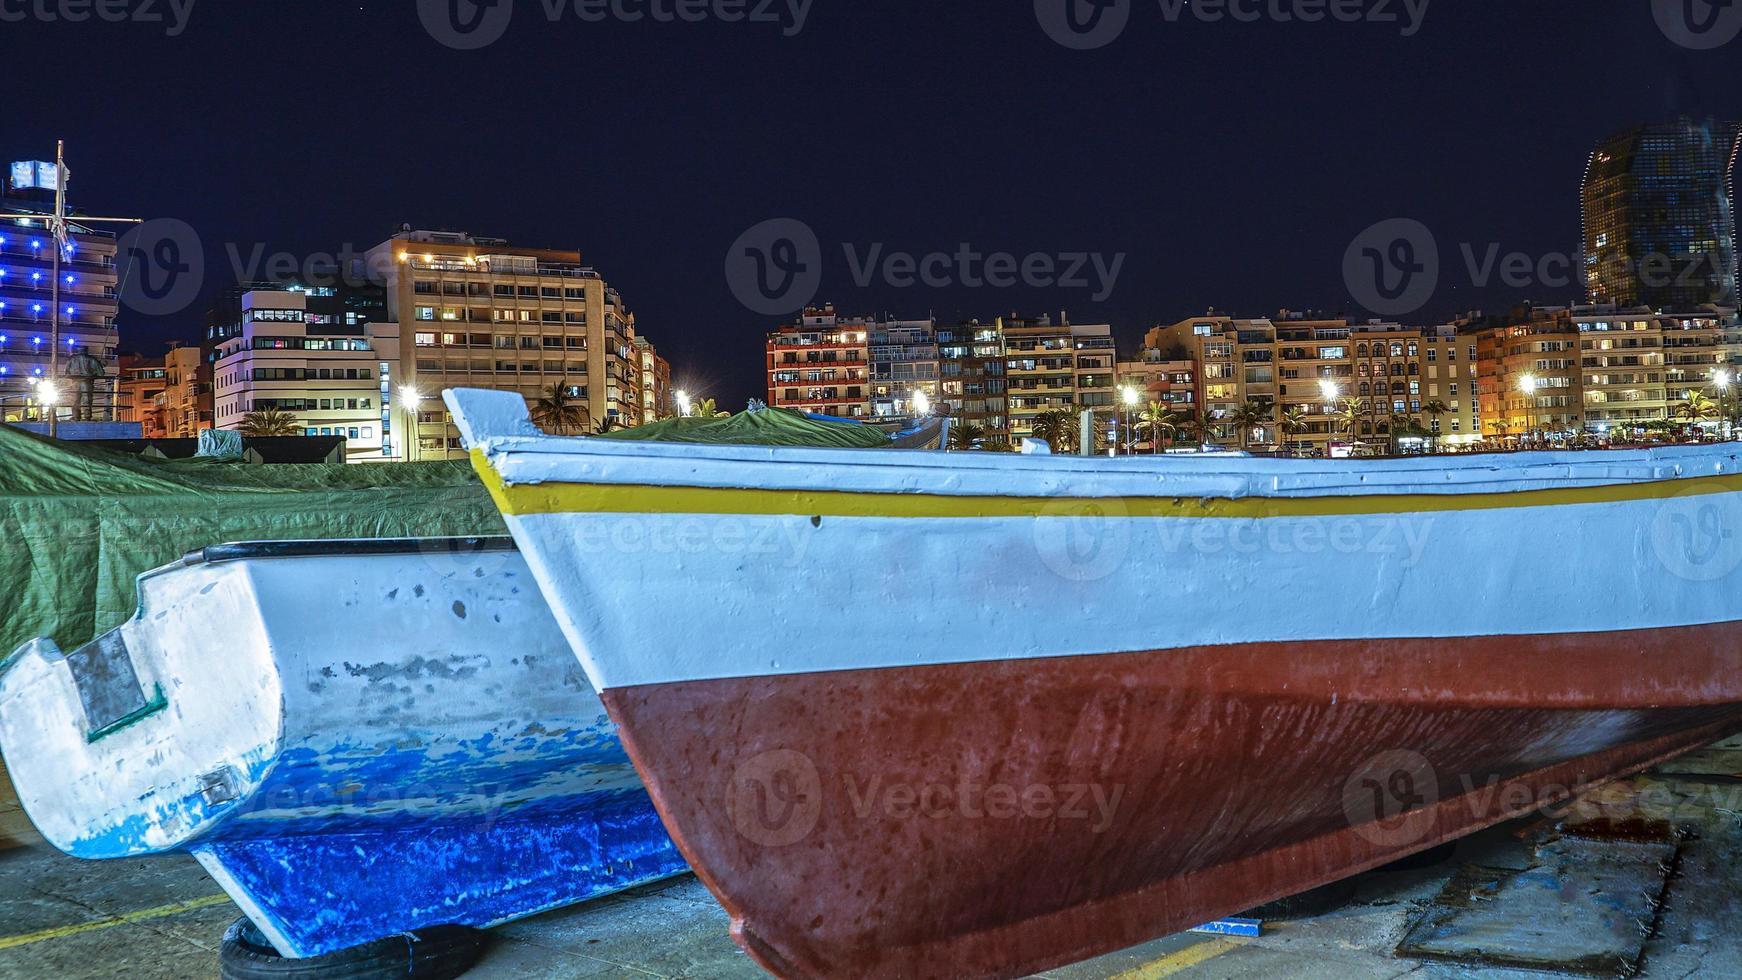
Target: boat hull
1243,677
355,739
970,820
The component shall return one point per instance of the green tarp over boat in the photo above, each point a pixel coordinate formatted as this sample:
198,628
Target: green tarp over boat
760,427
78,524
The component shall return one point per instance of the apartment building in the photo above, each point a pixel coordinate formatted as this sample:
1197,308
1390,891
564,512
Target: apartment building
336,378
972,385
904,361
1303,369
1555,371
479,312
657,400
185,406
821,364
87,309
1057,366
142,381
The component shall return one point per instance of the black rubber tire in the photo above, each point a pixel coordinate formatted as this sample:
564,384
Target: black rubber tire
437,953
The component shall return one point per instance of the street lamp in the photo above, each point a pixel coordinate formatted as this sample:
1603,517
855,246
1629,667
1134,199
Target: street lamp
683,403
1528,384
47,396
1131,398
412,398
1721,380
921,403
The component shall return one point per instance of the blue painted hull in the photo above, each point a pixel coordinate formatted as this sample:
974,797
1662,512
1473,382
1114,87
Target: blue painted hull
353,742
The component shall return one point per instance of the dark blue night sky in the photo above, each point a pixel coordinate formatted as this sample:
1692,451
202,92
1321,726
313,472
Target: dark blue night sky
1233,163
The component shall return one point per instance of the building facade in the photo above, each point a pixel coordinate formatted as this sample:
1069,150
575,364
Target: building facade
821,364
142,382
335,378
972,384
87,309
1598,370
904,363
1056,366
185,405
1659,215
478,312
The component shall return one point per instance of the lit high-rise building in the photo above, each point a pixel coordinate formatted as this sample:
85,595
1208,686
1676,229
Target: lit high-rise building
1660,219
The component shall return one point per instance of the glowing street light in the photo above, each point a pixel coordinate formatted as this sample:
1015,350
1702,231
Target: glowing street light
921,404
1330,390
1528,384
1130,396
412,398
684,405
1721,379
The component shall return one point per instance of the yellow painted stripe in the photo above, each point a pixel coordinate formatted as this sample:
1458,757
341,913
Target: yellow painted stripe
143,915
603,498
1181,961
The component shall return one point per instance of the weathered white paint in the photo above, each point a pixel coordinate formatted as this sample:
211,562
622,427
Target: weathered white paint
659,597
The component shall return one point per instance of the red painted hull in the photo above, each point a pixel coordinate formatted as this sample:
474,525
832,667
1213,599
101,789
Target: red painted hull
999,818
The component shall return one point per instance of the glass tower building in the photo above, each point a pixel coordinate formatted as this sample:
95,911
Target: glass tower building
1660,220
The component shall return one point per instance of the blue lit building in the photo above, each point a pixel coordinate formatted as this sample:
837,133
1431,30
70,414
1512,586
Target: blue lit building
87,298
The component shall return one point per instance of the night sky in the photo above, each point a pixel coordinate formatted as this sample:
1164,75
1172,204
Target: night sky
1232,162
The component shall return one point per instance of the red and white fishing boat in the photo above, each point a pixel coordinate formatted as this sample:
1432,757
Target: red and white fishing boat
924,714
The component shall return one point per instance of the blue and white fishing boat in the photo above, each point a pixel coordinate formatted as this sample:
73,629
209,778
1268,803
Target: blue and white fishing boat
356,739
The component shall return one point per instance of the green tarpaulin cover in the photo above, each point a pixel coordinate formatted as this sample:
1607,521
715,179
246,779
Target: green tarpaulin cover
78,524
761,427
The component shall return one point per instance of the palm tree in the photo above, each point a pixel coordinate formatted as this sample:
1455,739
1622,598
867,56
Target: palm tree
964,435
1054,427
1247,418
1196,425
1349,416
270,422
1159,419
1434,410
1294,420
997,446
706,409
609,423
555,412
1697,408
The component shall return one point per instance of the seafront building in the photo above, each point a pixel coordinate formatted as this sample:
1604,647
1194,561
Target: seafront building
88,307
478,312
820,364
973,386
1057,366
142,381
335,378
1552,371
1660,217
